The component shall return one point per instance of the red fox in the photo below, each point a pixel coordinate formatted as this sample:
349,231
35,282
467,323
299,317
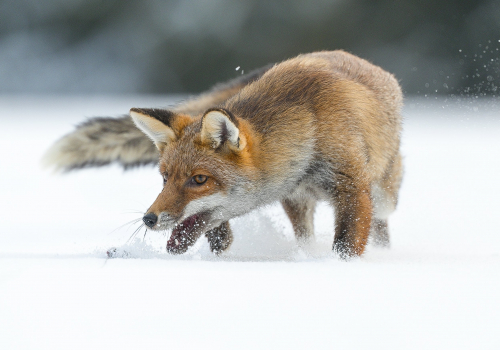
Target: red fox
320,126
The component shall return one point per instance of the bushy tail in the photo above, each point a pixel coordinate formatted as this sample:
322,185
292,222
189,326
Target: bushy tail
101,141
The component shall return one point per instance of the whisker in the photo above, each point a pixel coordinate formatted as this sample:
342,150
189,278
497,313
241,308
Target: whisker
134,233
145,231
125,224
134,212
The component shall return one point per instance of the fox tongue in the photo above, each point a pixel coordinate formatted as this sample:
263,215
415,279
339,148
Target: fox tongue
184,235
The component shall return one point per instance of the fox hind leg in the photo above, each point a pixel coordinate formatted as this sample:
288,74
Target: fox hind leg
300,211
220,238
385,198
380,233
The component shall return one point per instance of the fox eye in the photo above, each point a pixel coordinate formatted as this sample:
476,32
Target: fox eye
200,179
165,178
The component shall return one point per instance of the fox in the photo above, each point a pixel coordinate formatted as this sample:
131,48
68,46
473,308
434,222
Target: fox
322,126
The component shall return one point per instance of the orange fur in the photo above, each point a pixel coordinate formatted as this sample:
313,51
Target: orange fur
319,126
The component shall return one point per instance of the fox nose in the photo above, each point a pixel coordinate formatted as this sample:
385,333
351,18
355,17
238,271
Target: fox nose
150,219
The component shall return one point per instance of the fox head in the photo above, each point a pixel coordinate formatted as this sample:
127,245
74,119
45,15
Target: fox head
206,164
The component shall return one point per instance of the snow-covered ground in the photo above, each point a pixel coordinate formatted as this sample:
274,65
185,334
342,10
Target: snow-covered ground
437,287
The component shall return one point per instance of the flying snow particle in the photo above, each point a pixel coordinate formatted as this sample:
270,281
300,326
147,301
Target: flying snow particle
237,68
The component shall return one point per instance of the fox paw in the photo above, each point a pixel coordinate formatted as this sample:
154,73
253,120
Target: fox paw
220,238
344,251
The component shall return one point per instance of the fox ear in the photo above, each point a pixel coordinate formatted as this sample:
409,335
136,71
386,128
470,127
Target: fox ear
219,126
161,126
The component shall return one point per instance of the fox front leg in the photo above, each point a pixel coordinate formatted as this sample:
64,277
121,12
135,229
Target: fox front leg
353,216
220,238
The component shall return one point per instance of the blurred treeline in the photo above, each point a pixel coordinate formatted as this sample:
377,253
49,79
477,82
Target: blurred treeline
153,46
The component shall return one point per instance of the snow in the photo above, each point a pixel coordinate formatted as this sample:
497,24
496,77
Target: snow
437,287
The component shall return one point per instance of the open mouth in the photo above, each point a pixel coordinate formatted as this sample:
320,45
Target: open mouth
185,234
